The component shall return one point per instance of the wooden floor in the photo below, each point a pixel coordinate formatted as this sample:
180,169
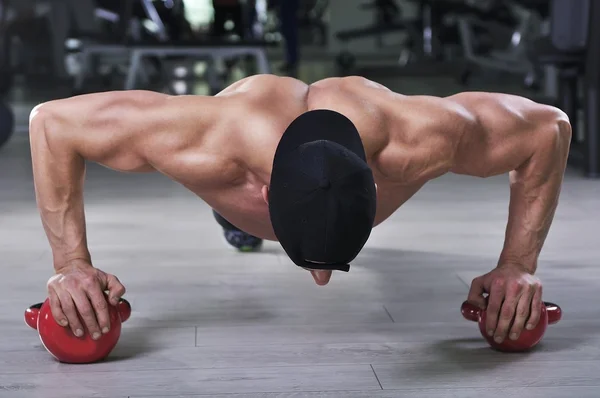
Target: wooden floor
208,321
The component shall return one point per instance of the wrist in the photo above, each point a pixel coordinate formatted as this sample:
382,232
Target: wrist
62,262
529,266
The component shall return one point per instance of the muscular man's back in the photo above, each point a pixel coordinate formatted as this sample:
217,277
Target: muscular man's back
222,147
260,108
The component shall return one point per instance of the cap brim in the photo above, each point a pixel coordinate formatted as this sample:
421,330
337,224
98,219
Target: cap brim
321,124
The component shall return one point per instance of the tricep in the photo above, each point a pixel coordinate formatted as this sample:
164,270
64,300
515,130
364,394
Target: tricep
111,128
504,132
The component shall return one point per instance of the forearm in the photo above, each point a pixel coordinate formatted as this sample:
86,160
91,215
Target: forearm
58,173
534,194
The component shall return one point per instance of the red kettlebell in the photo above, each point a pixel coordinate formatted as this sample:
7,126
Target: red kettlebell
551,313
63,345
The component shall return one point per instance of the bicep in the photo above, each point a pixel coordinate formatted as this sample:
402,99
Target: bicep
112,129
502,132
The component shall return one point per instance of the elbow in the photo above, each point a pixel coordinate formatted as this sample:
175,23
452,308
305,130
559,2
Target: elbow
561,125
40,117
37,123
557,130
555,145
563,133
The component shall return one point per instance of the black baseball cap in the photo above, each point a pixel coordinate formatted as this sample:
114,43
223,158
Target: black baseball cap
322,196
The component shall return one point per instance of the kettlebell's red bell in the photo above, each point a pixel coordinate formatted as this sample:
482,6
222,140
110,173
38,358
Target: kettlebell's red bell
63,345
550,314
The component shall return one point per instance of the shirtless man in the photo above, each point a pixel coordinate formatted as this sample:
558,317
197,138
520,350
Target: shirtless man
314,167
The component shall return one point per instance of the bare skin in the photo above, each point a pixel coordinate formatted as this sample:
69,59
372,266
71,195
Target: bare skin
409,140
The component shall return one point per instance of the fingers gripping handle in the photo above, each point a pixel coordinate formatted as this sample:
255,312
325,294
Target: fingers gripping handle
32,313
471,312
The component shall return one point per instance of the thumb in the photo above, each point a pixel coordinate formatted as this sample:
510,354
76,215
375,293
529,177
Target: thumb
476,293
115,289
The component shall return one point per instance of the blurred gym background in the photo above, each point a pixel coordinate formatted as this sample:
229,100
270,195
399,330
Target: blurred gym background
547,50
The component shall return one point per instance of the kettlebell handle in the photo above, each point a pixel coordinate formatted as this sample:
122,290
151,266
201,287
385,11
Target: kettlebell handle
471,312
124,308
32,313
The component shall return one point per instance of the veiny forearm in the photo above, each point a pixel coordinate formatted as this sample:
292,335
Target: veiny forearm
58,173
535,189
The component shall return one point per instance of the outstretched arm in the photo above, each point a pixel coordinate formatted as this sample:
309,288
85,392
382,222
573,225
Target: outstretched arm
531,142
126,131
486,134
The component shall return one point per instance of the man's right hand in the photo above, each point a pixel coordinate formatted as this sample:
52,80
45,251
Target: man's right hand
76,294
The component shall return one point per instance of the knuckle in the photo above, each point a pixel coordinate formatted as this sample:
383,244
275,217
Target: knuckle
498,283
89,320
516,285
67,305
522,312
86,312
89,281
101,305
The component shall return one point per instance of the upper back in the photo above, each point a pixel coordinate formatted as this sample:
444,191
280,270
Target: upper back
384,119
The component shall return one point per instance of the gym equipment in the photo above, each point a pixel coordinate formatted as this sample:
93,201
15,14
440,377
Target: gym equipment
208,50
387,19
6,75
591,138
431,38
63,345
515,25
551,314
312,22
7,123
137,58
26,45
234,11
165,17
571,48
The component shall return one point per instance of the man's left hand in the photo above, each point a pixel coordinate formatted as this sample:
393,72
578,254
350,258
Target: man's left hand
514,299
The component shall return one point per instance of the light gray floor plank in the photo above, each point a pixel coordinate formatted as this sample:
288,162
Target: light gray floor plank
529,392
19,336
206,381
508,374
578,331
128,356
